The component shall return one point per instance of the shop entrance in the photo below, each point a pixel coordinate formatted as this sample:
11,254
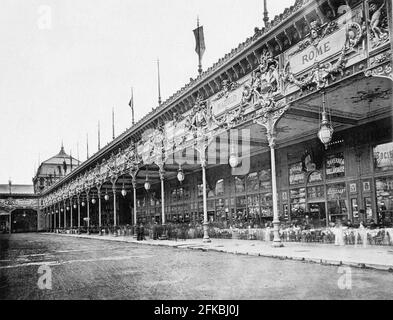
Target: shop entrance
317,214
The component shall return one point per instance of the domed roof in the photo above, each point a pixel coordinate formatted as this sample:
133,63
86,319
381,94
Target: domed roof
48,167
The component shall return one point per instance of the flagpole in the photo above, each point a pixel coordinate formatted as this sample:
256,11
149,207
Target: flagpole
159,84
132,107
199,48
99,136
87,146
113,123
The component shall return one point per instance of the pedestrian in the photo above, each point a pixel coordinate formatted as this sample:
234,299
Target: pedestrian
142,232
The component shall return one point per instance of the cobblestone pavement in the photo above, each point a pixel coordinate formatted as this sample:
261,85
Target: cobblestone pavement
96,269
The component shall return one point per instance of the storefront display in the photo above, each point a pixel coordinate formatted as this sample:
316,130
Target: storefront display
296,174
337,203
298,202
384,193
383,157
335,166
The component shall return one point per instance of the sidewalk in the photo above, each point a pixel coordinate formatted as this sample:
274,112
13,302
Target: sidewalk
373,257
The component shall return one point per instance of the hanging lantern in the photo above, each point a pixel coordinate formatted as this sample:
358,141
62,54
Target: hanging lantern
61,209
74,205
325,132
106,197
180,174
57,211
93,201
147,182
68,208
123,191
233,159
83,203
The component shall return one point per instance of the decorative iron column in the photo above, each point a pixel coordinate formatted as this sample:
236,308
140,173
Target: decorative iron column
114,205
88,211
71,212
206,237
59,222
99,209
65,213
79,211
162,178
269,119
134,191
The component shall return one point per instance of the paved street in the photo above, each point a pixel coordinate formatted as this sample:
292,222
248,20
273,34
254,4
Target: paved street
97,269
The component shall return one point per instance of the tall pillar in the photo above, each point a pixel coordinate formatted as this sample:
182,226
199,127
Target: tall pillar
276,220
134,191
79,211
65,214
88,211
99,209
114,206
59,208
54,217
206,237
10,223
162,177
71,213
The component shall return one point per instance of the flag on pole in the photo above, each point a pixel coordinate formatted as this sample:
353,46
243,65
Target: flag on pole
200,44
200,41
131,104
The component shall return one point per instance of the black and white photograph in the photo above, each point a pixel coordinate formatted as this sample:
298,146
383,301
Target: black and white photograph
178,151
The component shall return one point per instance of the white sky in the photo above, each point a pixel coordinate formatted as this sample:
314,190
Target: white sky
56,83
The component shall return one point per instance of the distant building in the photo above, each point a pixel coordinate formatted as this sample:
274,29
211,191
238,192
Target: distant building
20,203
53,169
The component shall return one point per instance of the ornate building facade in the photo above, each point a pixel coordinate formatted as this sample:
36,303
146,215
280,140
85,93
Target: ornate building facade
294,123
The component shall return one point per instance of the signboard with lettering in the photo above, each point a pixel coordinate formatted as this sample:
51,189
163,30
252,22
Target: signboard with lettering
296,174
335,166
300,61
336,191
383,156
227,102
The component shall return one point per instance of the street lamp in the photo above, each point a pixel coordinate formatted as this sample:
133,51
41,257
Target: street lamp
326,130
233,158
123,191
180,174
147,184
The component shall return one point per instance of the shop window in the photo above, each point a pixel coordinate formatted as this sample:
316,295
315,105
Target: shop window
253,205
337,201
383,157
335,167
368,208
296,174
220,187
355,208
298,202
252,182
315,176
239,185
315,192
200,190
384,193
266,201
